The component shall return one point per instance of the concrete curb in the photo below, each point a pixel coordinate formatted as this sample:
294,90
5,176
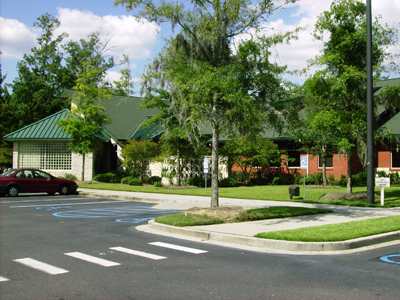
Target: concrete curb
277,244
120,197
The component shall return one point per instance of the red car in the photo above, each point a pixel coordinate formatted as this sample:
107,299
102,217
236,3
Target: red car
15,181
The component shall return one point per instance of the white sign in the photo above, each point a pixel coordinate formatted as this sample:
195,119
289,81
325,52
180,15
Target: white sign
382,182
304,162
205,164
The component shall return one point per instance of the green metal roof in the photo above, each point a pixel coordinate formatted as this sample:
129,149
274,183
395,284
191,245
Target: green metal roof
146,132
124,112
381,84
394,124
46,130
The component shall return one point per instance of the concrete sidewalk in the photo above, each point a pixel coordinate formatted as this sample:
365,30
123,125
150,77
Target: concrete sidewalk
241,234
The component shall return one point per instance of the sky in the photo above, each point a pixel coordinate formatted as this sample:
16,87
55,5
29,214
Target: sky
142,41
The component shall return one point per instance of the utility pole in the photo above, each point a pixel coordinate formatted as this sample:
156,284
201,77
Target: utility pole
370,111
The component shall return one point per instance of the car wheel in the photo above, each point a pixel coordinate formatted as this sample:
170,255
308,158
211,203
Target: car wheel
51,193
64,189
13,191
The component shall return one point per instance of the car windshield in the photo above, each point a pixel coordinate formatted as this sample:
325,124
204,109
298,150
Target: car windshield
8,173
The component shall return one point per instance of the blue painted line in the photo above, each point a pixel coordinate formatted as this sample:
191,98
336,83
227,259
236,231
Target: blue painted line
53,207
132,220
388,260
112,212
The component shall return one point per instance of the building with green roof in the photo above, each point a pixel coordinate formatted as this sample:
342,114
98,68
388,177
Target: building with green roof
43,144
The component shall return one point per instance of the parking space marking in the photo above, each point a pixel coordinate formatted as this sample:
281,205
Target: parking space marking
41,266
113,212
388,260
3,279
92,259
138,253
68,204
176,247
44,200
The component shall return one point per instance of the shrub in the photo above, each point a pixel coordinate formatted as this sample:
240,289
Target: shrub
154,179
394,178
285,179
359,179
127,180
146,180
331,179
228,182
343,180
135,181
259,181
158,184
319,178
108,177
197,181
69,177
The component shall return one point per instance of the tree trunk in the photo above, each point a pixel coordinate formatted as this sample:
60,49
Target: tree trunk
83,167
323,157
349,172
214,166
324,181
178,174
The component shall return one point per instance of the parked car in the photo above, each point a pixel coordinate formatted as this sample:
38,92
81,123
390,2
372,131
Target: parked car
15,181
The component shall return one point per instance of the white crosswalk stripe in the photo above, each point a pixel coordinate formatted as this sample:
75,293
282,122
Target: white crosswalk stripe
92,259
176,247
3,279
41,266
138,253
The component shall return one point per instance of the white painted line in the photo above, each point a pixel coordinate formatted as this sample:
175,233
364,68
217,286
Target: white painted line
92,259
176,247
68,204
3,279
45,200
38,265
138,253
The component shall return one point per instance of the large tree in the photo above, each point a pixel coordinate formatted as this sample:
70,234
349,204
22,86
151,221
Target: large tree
138,154
92,51
8,122
41,75
251,151
341,84
220,88
87,115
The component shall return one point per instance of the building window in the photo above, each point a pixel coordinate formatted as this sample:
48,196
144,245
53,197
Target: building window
328,163
395,157
293,154
47,156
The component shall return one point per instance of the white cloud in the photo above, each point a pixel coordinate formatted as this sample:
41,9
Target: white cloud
16,38
126,35
296,55
112,76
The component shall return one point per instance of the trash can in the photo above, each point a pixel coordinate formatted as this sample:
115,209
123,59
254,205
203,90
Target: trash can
294,190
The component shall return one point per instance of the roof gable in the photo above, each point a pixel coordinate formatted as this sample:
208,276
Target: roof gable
44,129
146,132
124,112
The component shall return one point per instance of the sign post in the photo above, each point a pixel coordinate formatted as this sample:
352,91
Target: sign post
382,182
205,169
304,166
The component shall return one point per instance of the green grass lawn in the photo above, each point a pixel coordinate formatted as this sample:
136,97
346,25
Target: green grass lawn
336,232
326,233
185,219
268,192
